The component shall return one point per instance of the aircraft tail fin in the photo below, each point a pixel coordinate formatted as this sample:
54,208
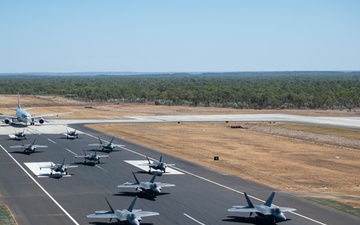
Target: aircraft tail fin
153,178
100,140
19,107
112,210
33,142
112,140
248,201
148,160
63,161
137,181
160,158
131,207
270,199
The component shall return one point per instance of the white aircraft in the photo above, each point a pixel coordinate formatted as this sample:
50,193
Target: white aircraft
29,147
109,146
268,211
62,168
23,116
150,188
130,215
92,157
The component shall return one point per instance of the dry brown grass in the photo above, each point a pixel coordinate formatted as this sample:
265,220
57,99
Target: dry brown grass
289,164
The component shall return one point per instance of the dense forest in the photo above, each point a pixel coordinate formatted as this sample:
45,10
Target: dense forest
257,90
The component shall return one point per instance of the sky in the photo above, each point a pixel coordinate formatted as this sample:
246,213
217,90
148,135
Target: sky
179,35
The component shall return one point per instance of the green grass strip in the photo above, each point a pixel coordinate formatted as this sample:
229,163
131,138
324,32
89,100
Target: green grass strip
337,205
5,216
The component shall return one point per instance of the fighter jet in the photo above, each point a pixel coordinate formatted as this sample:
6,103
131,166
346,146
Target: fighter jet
92,157
71,134
158,165
268,212
29,147
108,146
130,215
150,188
62,168
23,116
18,135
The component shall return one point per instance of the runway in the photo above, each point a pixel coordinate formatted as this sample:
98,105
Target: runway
201,196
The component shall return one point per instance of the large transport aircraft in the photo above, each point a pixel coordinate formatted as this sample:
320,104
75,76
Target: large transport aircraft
22,116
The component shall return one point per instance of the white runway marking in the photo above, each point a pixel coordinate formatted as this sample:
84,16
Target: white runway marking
70,151
101,168
41,187
44,172
193,219
143,164
51,141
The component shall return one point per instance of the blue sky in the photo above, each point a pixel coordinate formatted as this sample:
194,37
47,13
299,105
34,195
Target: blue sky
179,36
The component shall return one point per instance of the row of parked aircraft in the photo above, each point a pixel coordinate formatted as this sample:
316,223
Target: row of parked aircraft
268,212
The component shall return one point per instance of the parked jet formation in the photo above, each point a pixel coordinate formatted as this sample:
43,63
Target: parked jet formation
23,116
130,215
29,147
18,135
62,168
108,146
158,165
150,188
268,212
92,157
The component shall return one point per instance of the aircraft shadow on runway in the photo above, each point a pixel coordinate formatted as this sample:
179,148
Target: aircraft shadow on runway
144,196
248,220
159,173
54,175
105,151
26,152
92,164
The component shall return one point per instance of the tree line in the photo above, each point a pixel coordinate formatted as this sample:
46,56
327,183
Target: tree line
253,90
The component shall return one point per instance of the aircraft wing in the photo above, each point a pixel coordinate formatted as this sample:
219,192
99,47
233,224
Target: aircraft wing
70,166
40,146
9,117
48,115
242,209
130,185
95,145
103,215
145,213
286,209
17,146
118,145
103,156
80,156
12,136
165,185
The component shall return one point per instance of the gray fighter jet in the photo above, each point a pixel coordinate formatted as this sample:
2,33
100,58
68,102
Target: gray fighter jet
108,146
29,147
150,188
158,165
270,213
18,135
131,215
92,157
62,168
71,134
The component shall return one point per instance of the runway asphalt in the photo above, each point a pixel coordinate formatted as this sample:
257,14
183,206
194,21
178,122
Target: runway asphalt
201,196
